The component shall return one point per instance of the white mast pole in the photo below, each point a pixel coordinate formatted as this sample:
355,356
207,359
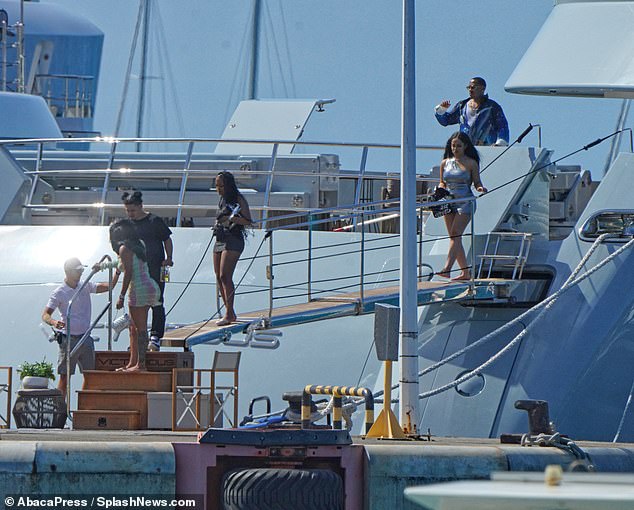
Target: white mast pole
252,91
408,352
143,72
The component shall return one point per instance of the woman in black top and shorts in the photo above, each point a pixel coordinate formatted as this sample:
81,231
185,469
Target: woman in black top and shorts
233,215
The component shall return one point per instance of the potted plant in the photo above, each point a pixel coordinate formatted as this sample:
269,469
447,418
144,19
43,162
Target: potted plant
36,375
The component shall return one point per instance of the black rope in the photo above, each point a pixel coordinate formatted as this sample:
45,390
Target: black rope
253,258
365,363
193,274
584,148
518,140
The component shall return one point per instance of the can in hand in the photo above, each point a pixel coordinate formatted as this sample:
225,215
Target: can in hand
165,274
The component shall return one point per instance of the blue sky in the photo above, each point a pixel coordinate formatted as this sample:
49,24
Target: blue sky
348,50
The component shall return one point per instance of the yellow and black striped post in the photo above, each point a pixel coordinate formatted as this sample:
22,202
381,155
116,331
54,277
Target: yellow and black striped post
337,392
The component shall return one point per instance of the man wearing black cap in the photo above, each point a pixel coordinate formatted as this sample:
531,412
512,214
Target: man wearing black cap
80,319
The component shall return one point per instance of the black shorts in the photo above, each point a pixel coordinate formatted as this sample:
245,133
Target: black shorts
229,243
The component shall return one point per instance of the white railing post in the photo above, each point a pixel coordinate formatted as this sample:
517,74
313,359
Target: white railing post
106,183
357,191
269,185
181,193
473,256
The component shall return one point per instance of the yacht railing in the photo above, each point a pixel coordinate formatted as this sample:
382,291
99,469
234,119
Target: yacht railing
67,95
189,173
17,43
364,243
363,214
4,32
350,287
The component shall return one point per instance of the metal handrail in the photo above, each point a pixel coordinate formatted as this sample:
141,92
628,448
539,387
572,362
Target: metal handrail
76,96
269,183
362,262
360,179
3,35
185,172
18,35
107,308
340,174
354,209
131,140
362,249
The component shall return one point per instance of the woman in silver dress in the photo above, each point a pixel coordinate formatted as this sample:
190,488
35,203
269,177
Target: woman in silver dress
459,169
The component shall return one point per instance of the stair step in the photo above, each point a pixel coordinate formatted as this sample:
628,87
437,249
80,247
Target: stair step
122,381
163,361
519,235
502,257
100,419
92,400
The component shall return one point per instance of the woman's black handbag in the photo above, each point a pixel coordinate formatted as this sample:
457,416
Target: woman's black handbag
439,195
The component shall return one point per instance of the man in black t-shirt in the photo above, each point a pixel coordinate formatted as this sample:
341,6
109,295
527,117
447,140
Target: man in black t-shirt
158,244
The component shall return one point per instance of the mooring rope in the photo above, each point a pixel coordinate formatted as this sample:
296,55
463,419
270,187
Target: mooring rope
546,304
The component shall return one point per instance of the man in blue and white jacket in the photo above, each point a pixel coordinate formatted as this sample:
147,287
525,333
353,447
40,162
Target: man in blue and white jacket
479,117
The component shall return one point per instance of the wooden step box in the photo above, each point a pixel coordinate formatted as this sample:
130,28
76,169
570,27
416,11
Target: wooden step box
163,361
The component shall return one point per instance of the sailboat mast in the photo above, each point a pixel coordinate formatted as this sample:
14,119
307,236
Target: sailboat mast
408,352
252,92
143,67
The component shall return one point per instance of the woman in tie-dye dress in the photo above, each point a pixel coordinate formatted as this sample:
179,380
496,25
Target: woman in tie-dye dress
142,291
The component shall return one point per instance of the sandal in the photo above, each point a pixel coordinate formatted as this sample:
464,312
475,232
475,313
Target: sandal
223,322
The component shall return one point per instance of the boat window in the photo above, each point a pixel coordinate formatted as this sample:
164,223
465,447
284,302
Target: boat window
619,223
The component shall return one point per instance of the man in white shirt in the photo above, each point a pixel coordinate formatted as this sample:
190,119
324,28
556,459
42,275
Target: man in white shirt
81,313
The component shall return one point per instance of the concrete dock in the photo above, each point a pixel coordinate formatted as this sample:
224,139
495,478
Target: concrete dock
375,472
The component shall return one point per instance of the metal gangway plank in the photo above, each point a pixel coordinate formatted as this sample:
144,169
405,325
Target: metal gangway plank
341,305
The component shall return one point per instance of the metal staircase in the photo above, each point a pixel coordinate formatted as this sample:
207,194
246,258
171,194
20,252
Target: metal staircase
499,242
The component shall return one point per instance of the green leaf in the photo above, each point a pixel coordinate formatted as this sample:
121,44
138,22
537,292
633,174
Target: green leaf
39,369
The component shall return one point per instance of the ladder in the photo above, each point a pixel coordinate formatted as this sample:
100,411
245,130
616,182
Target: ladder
517,260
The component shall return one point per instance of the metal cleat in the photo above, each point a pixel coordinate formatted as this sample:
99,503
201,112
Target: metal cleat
538,421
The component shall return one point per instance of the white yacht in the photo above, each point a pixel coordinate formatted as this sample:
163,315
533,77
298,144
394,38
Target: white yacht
548,315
